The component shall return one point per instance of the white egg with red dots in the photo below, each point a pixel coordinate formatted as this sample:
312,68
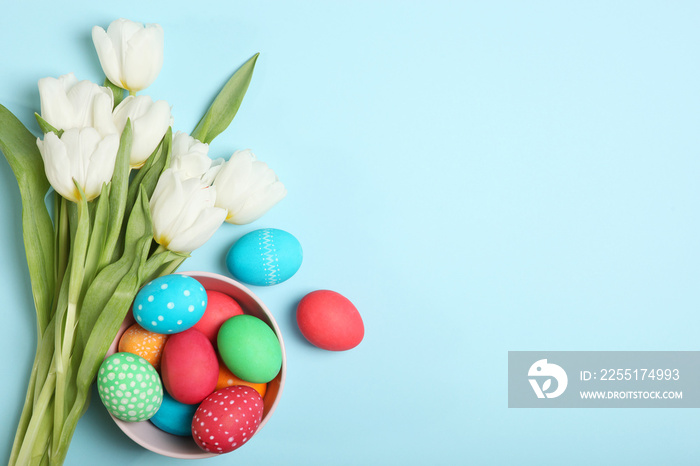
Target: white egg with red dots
170,304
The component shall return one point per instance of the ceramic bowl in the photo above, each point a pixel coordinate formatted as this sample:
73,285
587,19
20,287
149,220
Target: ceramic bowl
148,435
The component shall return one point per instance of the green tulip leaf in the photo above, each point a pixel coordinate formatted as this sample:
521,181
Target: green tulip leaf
46,126
226,104
98,234
118,93
148,175
107,280
117,198
18,145
160,164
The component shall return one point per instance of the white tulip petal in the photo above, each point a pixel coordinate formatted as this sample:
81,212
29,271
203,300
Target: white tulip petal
102,113
184,144
122,113
165,186
166,202
182,212
80,156
260,176
143,59
149,129
109,59
197,196
119,32
56,165
131,55
210,175
189,156
81,97
101,166
68,80
68,103
88,141
150,120
71,142
177,209
194,237
234,179
258,204
247,188
56,109
191,165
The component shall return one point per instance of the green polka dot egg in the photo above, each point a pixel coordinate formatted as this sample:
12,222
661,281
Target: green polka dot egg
129,387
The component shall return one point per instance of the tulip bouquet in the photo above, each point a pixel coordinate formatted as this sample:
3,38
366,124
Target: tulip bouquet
130,201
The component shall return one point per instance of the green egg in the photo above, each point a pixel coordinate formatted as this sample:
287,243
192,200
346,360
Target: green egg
250,349
129,387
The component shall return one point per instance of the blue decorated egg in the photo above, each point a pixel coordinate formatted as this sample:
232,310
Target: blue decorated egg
170,304
264,257
174,417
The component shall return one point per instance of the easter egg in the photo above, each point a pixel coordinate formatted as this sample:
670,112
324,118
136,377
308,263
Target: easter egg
148,345
227,419
330,321
189,366
129,387
170,304
229,379
264,257
174,417
220,307
249,348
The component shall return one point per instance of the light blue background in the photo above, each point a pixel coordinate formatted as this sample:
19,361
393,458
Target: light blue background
476,177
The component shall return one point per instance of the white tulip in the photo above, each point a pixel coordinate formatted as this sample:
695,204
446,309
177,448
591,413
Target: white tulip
131,55
183,212
247,188
83,155
68,103
210,175
190,156
149,122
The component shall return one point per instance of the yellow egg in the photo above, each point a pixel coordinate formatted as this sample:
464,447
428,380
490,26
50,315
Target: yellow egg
148,345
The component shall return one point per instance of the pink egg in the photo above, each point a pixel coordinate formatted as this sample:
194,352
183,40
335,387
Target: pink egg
189,366
220,308
227,419
330,321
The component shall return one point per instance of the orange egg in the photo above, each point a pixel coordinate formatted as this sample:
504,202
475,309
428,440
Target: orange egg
227,379
148,345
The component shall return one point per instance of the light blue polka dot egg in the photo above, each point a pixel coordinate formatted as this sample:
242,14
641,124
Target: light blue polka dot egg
170,304
265,257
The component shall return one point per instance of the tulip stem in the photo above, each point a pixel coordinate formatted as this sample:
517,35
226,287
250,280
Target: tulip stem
27,411
38,418
64,348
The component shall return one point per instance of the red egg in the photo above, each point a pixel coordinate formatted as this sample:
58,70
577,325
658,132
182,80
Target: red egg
330,321
189,366
220,308
227,419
